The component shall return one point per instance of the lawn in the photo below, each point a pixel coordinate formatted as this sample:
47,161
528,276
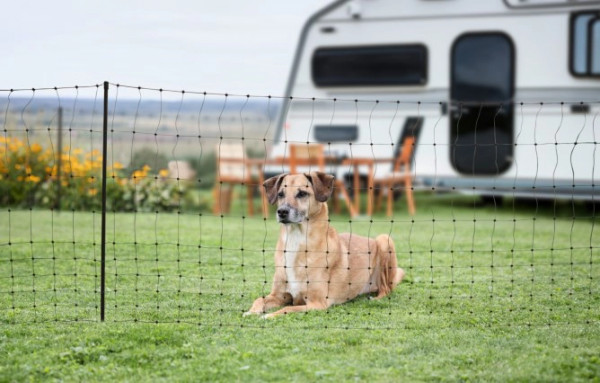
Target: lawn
493,293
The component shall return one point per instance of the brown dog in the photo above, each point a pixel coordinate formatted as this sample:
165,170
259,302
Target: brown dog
314,266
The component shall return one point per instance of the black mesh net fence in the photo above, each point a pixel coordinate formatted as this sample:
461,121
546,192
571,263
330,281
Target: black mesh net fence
490,208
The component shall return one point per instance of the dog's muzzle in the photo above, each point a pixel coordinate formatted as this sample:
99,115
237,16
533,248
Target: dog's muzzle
287,214
283,215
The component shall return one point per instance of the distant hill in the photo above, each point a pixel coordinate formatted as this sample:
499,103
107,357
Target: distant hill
212,106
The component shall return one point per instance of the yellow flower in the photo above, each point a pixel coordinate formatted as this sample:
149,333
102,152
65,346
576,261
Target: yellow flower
33,178
139,174
93,191
164,173
146,168
93,154
15,145
117,165
36,148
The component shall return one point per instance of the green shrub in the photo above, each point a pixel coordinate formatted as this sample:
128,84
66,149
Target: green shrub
29,177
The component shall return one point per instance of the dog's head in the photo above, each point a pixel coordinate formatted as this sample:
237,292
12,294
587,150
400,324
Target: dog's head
298,196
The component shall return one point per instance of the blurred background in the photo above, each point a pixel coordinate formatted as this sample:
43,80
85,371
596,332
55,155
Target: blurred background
494,99
228,46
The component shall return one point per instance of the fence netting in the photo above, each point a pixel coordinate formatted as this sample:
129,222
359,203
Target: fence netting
492,207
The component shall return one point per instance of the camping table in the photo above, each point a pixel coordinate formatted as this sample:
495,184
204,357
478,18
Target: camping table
355,162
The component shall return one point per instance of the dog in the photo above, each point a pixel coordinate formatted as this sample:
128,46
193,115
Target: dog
315,267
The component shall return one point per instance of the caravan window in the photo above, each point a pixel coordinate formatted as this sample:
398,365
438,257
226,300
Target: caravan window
370,66
585,44
543,3
336,133
594,61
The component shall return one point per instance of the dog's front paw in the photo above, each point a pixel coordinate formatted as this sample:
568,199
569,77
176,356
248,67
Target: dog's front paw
248,313
267,316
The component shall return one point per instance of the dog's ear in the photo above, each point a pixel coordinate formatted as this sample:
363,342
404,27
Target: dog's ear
322,185
272,186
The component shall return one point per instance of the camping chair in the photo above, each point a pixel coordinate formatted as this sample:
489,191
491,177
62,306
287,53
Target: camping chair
306,155
313,155
232,169
401,174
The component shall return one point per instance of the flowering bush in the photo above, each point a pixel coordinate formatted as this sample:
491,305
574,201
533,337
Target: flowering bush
145,191
29,177
22,170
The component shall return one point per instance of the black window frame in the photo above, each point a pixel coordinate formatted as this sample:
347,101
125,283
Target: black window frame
423,74
589,46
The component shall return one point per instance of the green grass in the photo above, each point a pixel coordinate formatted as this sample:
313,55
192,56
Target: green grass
492,293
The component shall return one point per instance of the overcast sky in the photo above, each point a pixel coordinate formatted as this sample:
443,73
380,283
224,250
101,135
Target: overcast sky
236,46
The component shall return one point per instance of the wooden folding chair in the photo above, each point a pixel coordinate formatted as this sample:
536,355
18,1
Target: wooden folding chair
402,175
313,155
306,155
232,169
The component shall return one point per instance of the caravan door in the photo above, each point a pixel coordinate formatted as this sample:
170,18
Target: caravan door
481,110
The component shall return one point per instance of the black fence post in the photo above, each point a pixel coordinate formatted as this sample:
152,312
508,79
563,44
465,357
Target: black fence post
103,232
59,159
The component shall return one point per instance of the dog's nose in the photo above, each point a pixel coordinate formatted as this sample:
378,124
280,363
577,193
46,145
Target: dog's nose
283,213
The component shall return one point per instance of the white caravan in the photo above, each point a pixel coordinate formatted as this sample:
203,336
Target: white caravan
503,96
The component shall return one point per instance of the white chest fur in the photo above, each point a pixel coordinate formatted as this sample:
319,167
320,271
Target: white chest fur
292,240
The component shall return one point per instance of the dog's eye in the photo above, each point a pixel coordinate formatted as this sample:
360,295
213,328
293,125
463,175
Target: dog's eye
301,194
281,194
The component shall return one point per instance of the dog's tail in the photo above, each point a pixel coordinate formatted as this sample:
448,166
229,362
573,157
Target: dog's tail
389,272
